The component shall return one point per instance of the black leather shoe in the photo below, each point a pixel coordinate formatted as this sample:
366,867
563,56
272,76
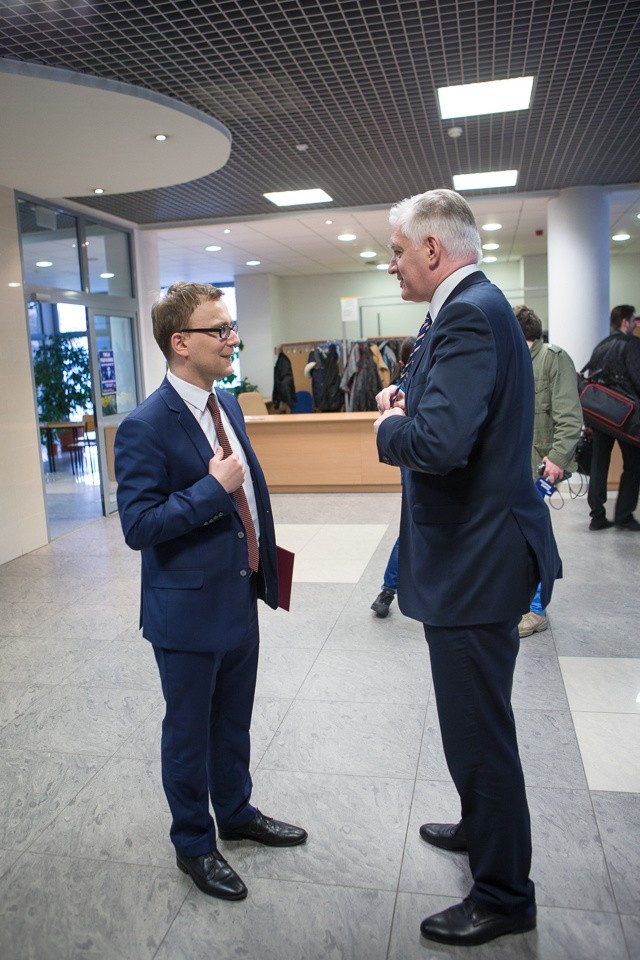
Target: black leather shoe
447,836
600,523
273,833
213,875
467,924
631,524
383,601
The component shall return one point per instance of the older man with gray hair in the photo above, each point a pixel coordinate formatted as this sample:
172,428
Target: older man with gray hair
475,539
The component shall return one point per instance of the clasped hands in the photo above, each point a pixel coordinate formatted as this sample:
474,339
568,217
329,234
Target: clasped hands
390,402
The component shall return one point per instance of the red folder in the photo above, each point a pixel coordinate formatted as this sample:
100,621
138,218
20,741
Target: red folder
285,576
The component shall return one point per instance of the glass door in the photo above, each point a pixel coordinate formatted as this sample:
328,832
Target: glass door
113,364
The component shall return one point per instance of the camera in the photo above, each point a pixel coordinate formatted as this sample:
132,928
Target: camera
545,488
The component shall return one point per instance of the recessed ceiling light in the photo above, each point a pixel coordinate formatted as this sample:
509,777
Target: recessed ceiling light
44,263
454,132
382,266
107,276
253,263
619,237
302,147
226,230
368,254
160,137
489,259
490,246
15,284
485,181
98,190
492,226
329,222
289,198
213,248
347,236
474,99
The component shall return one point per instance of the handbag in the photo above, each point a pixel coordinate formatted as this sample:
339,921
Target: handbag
609,410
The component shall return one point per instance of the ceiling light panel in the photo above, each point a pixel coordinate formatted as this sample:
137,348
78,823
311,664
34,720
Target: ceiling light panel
291,198
474,99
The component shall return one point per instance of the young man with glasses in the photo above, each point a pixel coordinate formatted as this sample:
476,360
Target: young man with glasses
193,499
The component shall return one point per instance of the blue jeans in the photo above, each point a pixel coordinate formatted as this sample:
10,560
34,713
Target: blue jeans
536,606
391,573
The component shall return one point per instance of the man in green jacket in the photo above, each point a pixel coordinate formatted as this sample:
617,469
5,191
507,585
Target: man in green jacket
557,426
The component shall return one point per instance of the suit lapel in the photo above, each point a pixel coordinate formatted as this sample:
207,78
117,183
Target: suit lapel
186,420
466,282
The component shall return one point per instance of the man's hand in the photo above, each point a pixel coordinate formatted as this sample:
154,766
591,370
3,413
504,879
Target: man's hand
392,412
552,472
229,472
385,397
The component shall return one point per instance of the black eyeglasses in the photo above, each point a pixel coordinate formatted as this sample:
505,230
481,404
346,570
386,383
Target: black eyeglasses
223,332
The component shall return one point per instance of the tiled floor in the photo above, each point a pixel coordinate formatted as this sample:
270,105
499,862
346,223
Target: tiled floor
345,742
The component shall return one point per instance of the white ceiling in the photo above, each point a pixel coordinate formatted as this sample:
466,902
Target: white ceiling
71,133
298,244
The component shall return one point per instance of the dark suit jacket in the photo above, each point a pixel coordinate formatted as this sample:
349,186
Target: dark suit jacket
195,583
471,514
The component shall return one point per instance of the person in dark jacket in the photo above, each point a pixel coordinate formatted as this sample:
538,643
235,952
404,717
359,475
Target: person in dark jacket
615,362
284,390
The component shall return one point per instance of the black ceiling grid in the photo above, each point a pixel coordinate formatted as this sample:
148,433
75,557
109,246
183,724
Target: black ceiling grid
356,81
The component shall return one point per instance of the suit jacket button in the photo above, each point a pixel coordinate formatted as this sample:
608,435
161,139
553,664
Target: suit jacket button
240,534
243,573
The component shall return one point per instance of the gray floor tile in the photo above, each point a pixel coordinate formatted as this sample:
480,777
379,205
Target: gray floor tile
268,714
94,721
7,859
77,909
282,670
537,683
282,920
568,865
96,621
144,742
631,927
425,869
16,698
122,815
381,676
356,828
360,738
26,660
34,788
618,818
120,664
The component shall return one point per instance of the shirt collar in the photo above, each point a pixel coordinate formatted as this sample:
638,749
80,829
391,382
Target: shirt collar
196,396
447,287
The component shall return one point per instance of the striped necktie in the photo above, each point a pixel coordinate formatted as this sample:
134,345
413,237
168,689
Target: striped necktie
422,332
238,495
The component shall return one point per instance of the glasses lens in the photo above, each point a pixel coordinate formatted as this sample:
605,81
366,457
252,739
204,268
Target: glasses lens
224,332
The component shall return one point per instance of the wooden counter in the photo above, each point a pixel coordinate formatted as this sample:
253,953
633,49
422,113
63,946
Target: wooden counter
321,453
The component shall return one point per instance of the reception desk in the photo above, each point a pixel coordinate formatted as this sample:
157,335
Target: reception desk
321,453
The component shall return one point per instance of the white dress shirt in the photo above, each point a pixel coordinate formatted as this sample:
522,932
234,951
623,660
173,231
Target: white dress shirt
447,286
196,400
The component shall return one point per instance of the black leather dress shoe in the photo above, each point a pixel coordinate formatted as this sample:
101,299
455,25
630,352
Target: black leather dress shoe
467,924
447,836
213,875
273,833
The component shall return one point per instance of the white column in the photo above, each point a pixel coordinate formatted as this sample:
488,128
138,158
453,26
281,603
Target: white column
578,268
258,307
148,276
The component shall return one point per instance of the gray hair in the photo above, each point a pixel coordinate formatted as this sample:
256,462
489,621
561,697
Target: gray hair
446,215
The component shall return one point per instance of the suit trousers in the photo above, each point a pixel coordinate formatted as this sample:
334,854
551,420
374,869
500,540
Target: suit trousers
627,500
206,746
472,669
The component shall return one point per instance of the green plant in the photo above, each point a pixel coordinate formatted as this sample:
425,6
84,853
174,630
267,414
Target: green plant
63,378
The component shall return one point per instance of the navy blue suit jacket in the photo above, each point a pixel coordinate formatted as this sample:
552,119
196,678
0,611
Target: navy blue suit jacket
196,589
471,515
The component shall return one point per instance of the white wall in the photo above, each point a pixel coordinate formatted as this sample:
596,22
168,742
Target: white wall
625,279
23,523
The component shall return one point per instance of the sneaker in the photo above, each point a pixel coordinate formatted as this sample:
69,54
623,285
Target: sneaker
630,524
532,623
600,523
383,601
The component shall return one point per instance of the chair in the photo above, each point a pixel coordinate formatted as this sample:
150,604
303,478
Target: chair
252,404
85,442
304,402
